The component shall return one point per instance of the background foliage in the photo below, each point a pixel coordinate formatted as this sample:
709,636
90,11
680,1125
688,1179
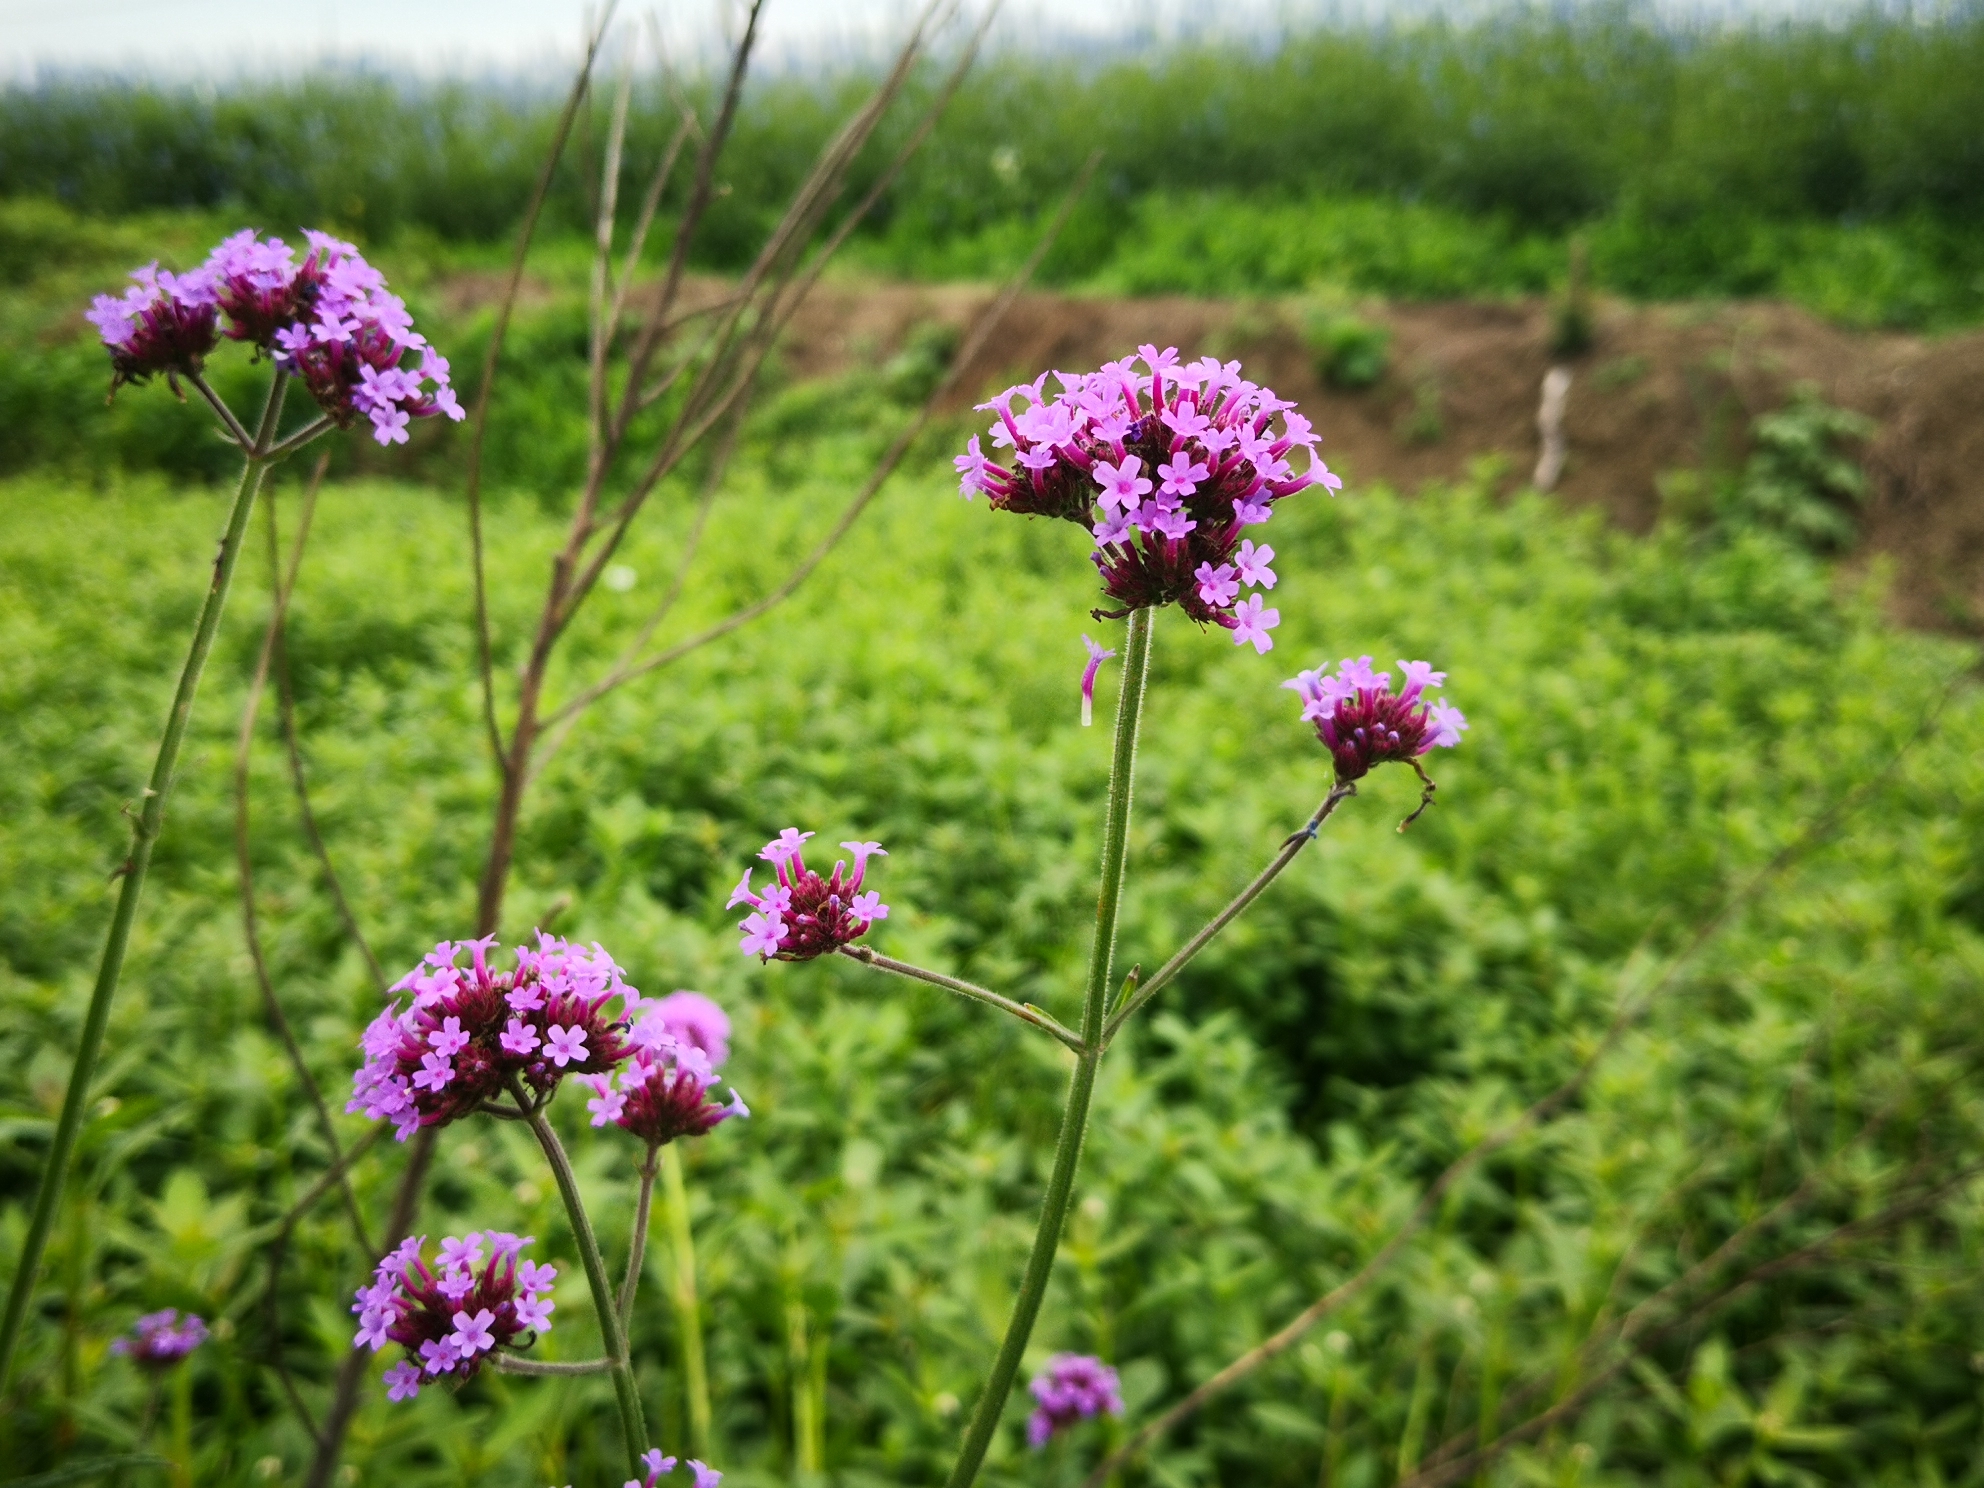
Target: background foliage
1841,163
1767,1184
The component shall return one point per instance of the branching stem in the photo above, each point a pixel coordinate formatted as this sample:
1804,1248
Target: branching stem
1146,990
1025,1012
1074,1119
603,1301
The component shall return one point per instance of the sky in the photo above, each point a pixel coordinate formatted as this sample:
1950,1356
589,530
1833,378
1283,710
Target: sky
221,39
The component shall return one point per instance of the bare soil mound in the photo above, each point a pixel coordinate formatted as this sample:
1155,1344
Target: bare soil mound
1663,388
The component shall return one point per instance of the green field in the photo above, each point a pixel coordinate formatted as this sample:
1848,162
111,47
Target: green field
1715,837
1653,720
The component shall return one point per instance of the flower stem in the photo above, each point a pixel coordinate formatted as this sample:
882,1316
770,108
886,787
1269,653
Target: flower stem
1074,1119
1023,1011
610,1331
144,833
637,1250
1295,843
688,1309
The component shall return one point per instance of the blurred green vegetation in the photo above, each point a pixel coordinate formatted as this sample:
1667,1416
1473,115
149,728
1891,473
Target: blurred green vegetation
1653,720
1836,162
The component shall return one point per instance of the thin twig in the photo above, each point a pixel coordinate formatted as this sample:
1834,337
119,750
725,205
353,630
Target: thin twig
560,724
700,195
1026,1012
235,429
775,266
512,1364
479,418
284,448
351,1372
609,205
1296,842
1631,1008
281,583
637,1249
987,323
649,205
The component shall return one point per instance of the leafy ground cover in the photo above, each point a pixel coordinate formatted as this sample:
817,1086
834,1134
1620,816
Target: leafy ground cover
1744,1251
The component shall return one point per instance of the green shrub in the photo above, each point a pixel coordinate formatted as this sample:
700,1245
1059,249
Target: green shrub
1350,352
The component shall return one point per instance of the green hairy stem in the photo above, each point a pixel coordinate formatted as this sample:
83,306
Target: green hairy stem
145,830
1074,1119
611,1333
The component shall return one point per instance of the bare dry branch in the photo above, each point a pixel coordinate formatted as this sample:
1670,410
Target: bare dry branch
479,416
982,330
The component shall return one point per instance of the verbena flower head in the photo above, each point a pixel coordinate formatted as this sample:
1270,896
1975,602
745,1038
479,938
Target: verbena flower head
1363,723
165,323
159,1340
695,1020
480,1296
803,915
659,1467
468,1030
1167,468
665,1090
1071,1388
329,321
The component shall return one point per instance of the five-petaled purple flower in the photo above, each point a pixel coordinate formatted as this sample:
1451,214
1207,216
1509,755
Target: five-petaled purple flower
1071,1388
329,321
1363,723
803,915
1166,468
449,1319
468,1031
159,1340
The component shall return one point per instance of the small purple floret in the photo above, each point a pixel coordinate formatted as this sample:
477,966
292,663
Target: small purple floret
1071,1388
159,1340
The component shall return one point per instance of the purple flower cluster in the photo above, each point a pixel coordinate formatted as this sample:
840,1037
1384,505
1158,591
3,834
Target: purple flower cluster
1363,723
803,915
1071,1388
664,1092
165,322
452,1318
1166,468
160,1339
468,1031
660,1467
328,321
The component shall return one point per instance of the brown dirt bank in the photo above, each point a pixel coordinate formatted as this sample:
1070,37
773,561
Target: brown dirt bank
1663,387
